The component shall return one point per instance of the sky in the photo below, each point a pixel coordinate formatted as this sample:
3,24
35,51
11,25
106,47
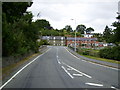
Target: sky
91,13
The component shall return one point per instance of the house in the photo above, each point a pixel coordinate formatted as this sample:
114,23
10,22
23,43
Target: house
55,40
88,35
81,42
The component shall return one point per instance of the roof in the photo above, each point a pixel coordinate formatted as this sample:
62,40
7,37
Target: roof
71,38
53,37
68,38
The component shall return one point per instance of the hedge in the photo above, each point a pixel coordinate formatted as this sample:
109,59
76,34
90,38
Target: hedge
110,53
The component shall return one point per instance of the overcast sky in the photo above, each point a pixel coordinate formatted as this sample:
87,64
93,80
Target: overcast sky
92,13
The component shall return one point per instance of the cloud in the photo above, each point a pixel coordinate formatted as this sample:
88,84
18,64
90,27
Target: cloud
95,13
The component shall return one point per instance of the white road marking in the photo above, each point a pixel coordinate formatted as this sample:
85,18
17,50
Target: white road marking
92,62
22,69
72,54
94,84
57,57
67,72
58,61
69,69
112,87
77,74
78,71
84,61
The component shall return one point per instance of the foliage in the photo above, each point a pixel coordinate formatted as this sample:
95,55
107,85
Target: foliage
115,38
81,28
43,24
99,37
19,33
110,53
89,30
68,28
43,42
14,10
107,34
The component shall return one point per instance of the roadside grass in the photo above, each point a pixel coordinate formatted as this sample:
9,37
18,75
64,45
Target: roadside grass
97,57
101,59
6,71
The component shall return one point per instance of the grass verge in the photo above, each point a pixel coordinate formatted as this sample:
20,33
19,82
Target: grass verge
102,59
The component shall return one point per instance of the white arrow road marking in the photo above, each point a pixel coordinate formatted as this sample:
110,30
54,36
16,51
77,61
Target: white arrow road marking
69,69
77,74
94,84
115,88
77,71
67,72
112,87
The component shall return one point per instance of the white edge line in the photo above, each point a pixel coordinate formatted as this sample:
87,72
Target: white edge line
92,62
94,84
72,54
67,72
103,66
22,69
78,71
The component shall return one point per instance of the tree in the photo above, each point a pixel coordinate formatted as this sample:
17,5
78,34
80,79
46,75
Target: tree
99,36
81,28
14,10
89,30
19,33
115,38
43,24
107,34
68,28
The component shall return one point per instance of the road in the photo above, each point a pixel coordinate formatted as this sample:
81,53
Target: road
58,68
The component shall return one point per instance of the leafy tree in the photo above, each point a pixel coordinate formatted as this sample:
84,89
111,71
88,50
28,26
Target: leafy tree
68,28
89,30
107,34
43,24
19,32
14,10
81,28
98,36
115,38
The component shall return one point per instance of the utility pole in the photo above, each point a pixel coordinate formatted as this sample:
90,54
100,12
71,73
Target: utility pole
75,35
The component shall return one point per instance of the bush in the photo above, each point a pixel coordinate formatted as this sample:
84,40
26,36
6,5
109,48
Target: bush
110,53
86,52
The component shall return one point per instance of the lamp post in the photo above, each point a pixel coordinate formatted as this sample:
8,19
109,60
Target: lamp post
75,35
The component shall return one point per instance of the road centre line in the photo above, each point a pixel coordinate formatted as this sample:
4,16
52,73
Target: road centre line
94,84
77,70
67,72
92,62
22,69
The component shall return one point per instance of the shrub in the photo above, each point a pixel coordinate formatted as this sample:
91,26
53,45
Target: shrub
110,53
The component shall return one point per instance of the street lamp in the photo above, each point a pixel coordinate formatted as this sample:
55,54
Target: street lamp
75,34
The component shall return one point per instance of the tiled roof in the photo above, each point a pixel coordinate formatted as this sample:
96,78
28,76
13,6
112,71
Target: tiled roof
68,38
82,39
